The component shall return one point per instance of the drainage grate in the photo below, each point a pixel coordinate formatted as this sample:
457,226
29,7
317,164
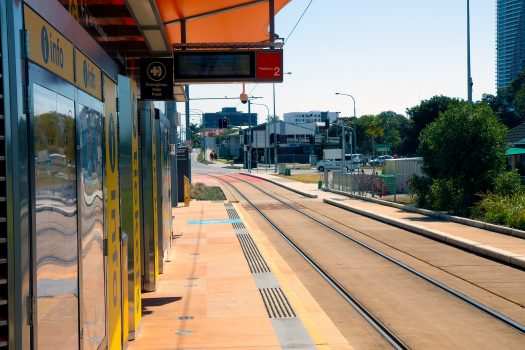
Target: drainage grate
184,332
253,256
276,303
185,318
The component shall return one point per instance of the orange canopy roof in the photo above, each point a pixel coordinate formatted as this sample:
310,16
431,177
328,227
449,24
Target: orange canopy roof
217,21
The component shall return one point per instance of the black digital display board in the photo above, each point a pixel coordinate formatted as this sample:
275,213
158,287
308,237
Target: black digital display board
219,66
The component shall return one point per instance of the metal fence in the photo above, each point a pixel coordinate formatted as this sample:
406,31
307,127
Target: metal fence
389,187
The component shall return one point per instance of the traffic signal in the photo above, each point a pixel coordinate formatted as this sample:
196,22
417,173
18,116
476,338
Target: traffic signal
327,123
223,123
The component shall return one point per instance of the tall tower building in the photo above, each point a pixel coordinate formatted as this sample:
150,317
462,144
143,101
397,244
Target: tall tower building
510,41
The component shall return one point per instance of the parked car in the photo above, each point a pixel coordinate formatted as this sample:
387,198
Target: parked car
357,158
381,160
335,164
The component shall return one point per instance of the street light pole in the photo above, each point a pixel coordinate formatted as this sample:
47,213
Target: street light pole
249,137
274,126
265,132
251,131
355,120
469,76
274,131
203,145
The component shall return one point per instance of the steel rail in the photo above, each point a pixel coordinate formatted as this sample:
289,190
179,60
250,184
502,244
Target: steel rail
389,335
517,326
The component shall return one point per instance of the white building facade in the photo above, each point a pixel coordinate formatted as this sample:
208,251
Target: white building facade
310,117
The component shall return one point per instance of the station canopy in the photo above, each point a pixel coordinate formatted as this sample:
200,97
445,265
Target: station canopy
226,21
131,29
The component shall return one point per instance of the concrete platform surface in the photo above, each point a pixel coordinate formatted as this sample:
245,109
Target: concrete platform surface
209,298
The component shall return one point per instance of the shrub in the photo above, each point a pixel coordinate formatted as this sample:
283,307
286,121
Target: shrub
201,158
502,210
508,183
420,187
201,192
447,195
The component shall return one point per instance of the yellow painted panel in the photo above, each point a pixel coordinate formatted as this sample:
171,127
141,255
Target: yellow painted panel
112,215
47,47
186,191
156,230
88,76
136,207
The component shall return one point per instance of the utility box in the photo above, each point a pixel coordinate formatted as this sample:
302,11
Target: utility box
404,166
182,170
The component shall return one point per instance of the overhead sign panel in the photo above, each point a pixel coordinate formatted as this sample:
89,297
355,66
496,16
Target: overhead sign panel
156,79
88,76
47,47
228,66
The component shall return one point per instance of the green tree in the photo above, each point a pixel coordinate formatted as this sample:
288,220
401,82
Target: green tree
373,129
509,103
463,150
419,117
502,109
195,132
395,126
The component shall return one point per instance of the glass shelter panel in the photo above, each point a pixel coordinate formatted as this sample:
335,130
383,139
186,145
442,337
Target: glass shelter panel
55,221
91,132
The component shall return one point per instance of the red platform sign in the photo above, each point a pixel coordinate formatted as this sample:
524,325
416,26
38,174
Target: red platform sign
269,65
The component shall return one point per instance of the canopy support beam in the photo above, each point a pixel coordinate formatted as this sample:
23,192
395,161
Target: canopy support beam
271,7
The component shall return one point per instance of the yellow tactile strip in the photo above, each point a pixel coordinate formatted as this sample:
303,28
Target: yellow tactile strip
319,326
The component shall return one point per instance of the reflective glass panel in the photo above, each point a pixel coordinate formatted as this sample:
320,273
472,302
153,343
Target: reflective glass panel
56,221
92,226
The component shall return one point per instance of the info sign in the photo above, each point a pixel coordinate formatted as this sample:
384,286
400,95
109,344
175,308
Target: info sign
156,79
228,66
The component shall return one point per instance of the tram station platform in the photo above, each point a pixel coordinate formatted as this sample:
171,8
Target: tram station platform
225,286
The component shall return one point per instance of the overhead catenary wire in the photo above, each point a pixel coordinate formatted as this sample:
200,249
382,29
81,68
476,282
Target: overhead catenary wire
289,35
298,21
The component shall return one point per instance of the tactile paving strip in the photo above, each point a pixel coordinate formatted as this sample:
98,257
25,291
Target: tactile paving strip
276,303
288,327
253,256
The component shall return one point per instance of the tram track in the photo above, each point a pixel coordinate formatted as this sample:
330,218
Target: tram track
378,324
389,336
415,255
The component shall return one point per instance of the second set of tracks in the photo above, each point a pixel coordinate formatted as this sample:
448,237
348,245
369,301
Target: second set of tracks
409,308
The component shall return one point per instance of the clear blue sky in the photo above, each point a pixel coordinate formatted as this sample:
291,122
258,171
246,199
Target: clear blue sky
388,54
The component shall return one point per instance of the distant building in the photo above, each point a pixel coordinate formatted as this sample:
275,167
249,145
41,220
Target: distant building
516,153
510,40
295,143
235,118
310,117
